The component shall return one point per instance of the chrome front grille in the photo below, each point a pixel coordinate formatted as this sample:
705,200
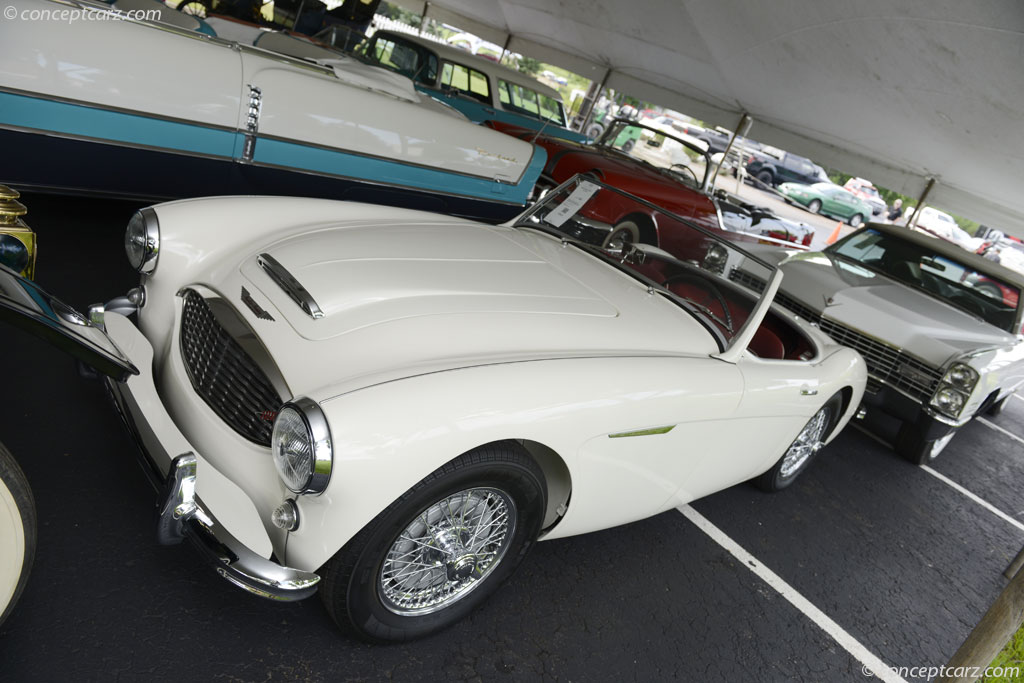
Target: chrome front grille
755,283
224,375
886,364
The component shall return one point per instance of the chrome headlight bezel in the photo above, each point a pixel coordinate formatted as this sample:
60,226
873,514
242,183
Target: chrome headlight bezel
316,472
142,240
955,389
961,377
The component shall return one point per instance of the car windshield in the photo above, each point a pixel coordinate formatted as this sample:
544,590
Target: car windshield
676,154
983,296
395,54
692,266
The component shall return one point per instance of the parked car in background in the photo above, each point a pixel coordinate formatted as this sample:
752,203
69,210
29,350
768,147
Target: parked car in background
787,168
864,189
660,167
409,480
939,327
223,117
481,89
828,199
941,224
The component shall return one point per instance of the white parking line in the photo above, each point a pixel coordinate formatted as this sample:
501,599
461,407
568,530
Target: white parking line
870,662
993,425
977,499
1018,396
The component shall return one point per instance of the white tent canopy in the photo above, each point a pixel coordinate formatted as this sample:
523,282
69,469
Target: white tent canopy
897,91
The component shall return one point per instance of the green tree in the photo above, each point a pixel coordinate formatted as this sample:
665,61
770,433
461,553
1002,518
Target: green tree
528,66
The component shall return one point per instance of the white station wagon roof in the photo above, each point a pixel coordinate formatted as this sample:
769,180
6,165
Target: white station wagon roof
454,54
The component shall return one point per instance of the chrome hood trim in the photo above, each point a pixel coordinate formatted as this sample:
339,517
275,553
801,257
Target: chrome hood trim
291,286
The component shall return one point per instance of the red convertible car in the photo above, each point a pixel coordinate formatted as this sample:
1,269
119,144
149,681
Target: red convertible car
665,169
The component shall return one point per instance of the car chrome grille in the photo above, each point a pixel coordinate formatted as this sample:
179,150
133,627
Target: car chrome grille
224,375
886,364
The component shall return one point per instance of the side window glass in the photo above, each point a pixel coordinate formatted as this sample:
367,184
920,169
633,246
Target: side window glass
503,92
478,84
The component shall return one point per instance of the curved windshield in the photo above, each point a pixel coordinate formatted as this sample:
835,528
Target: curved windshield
409,59
683,157
692,266
982,295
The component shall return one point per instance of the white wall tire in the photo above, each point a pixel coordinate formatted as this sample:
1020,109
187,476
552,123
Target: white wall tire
17,532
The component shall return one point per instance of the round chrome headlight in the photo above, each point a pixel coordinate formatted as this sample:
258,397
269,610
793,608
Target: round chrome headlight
961,376
142,240
301,447
949,401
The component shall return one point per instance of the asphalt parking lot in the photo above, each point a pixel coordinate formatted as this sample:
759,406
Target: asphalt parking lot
865,561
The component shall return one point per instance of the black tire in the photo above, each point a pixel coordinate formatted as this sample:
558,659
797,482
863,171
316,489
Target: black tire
627,146
774,479
855,220
917,450
14,489
996,408
814,206
765,177
354,589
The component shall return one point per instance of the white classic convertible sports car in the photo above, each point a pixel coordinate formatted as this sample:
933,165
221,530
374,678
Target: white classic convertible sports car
939,327
146,109
393,406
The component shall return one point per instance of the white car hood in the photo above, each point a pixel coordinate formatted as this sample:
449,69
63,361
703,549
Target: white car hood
405,299
925,327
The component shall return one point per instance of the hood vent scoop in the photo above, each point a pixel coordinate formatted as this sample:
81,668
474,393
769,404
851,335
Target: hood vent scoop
292,287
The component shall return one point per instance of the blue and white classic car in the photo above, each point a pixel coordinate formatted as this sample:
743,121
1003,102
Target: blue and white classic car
481,89
147,109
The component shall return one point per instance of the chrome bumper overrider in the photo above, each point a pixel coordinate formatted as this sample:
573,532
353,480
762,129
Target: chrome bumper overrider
182,513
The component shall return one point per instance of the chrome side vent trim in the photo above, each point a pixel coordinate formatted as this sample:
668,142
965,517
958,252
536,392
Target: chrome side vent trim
292,287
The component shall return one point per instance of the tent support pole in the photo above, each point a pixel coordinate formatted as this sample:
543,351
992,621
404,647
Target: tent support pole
585,118
423,17
504,49
742,128
912,223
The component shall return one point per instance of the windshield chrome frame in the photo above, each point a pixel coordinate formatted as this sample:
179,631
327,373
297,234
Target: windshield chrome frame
602,142
741,339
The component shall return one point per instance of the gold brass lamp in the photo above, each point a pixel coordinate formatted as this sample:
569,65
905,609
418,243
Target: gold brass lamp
17,240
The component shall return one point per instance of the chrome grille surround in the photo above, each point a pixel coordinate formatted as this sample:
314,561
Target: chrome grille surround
224,375
887,364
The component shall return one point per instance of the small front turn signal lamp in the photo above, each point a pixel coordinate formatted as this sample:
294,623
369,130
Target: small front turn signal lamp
286,516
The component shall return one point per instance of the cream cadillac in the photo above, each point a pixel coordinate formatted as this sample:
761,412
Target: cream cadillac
393,406
939,327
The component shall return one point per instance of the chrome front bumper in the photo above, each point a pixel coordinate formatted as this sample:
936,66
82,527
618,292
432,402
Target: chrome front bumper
182,513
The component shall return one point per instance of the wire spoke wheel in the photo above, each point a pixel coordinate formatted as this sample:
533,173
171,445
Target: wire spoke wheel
446,551
807,443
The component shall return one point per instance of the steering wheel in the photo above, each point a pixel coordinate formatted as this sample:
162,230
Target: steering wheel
683,167
712,289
